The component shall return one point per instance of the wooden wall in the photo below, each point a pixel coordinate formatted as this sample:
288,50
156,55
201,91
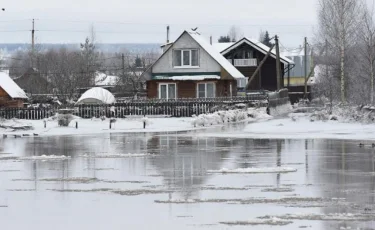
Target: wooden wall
8,102
266,77
188,89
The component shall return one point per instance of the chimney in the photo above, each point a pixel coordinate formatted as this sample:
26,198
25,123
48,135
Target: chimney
211,39
167,34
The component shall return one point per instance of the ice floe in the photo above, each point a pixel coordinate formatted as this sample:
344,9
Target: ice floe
255,170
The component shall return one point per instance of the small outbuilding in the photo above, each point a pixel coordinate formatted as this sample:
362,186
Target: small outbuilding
11,95
97,96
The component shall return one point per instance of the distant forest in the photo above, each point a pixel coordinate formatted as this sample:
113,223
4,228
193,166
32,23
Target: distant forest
102,47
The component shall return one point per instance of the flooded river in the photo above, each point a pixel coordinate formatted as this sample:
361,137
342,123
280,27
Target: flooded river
177,181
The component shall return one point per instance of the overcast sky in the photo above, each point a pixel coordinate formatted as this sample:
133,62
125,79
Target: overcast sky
144,21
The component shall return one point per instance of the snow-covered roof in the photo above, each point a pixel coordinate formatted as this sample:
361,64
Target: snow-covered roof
215,54
222,46
189,78
96,95
259,46
12,89
166,44
104,79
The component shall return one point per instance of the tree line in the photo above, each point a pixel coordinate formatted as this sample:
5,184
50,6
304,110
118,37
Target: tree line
66,70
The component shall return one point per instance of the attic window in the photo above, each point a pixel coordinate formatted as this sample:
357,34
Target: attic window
185,58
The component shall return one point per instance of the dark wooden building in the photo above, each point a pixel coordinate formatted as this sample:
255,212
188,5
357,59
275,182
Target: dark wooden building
246,54
34,83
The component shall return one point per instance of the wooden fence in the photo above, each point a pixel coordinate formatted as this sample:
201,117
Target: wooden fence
174,108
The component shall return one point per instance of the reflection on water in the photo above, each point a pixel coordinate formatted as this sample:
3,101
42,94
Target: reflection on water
176,169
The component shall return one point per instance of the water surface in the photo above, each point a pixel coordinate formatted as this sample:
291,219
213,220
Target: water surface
166,186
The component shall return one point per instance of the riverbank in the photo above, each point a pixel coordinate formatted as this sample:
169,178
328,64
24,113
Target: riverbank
300,126
134,124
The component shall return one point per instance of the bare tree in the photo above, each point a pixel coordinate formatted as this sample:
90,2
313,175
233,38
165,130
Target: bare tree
367,47
338,24
235,33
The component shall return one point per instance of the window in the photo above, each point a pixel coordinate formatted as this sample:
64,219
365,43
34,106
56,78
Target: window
205,90
248,54
242,82
186,58
167,91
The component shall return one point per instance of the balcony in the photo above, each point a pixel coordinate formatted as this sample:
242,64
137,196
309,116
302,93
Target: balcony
244,62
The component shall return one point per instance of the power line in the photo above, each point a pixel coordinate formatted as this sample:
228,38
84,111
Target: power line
174,24
17,20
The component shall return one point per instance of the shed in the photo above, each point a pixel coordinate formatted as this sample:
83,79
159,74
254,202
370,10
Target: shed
11,95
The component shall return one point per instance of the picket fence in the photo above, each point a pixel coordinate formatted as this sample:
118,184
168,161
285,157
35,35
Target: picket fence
174,108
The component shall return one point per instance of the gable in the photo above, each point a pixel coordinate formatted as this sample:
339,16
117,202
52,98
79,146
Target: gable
3,93
257,46
206,62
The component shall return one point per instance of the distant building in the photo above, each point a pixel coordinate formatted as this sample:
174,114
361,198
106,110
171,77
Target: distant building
11,95
34,83
297,76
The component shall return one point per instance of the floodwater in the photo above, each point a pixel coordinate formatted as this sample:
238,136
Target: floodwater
163,181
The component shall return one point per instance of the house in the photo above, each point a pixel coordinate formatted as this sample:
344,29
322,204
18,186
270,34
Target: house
33,83
11,95
246,54
297,78
191,68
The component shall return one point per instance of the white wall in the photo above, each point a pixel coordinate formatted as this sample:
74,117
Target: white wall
206,62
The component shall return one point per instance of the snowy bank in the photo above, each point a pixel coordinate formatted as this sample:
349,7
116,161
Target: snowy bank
230,116
301,126
80,126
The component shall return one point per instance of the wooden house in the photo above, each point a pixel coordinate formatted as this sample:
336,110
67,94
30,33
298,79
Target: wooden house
191,67
246,54
11,95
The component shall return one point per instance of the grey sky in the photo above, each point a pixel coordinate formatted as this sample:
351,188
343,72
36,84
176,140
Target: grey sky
144,21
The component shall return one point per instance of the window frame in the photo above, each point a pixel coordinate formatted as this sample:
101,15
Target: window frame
205,89
190,66
167,91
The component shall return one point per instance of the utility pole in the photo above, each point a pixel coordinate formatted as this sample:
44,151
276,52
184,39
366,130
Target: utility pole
32,37
305,60
278,66
32,44
123,66
167,34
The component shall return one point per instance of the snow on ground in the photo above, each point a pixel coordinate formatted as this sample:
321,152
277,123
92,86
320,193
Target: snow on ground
299,126
95,126
255,170
133,124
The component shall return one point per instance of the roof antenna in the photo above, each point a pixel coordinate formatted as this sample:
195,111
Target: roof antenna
167,34
195,29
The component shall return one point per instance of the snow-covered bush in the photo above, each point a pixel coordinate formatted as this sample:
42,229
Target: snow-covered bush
346,113
281,109
145,120
221,117
319,116
64,119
